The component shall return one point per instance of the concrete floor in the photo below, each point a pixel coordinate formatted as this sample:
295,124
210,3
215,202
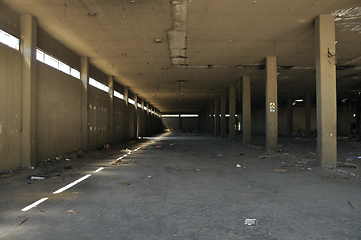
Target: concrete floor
189,190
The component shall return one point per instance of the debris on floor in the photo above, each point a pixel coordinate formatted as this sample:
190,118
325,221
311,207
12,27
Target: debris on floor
171,144
250,221
125,183
219,155
23,221
346,165
115,162
198,169
73,211
350,204
238,165
241,154
158,146
279,170
37,178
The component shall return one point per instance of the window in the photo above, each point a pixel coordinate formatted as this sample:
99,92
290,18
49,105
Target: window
98,85
118,95
41,56
131,101
9,40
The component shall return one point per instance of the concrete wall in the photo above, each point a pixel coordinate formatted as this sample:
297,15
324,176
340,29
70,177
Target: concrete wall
10,115
58,116
259,127
98,111
190,123
118,120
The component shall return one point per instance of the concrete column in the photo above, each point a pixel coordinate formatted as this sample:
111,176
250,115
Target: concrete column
141,122
180,125
85,118
326,91
147,120
111,109
216,118
246,109
136,125
271,104
308,114
28,30
211,119
126,113
223,116
232,113
208,119
289,116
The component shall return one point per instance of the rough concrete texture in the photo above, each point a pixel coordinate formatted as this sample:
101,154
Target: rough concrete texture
190,188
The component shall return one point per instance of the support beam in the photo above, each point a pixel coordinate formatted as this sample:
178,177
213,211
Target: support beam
85,118
126,113
232,113
223,116
136,125
111,109
271,105
326,91
308,114
141,122
246,109
211,119
216,118
147,120
28,28
289,116
208,119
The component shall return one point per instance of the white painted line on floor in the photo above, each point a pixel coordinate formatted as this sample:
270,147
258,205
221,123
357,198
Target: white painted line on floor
34,204
72,184
98,170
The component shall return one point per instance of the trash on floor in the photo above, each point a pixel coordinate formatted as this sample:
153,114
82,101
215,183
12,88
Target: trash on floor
23,221
350,204
241,154
219,155
250,221
171,144
37,178
149,177
158,146
115,162
198,169
125,183
238,165
73,211
346,165
106,146
279,170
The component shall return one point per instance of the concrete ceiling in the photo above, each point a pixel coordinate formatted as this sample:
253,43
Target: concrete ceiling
207,45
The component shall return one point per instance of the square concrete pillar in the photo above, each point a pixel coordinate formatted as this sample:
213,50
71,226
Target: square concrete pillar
85,117
211,119
141,122
136,126
111,109
246,109
308,114
326,91
28,31
126,113
216,118
271,104
232,113
223,116
289,116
